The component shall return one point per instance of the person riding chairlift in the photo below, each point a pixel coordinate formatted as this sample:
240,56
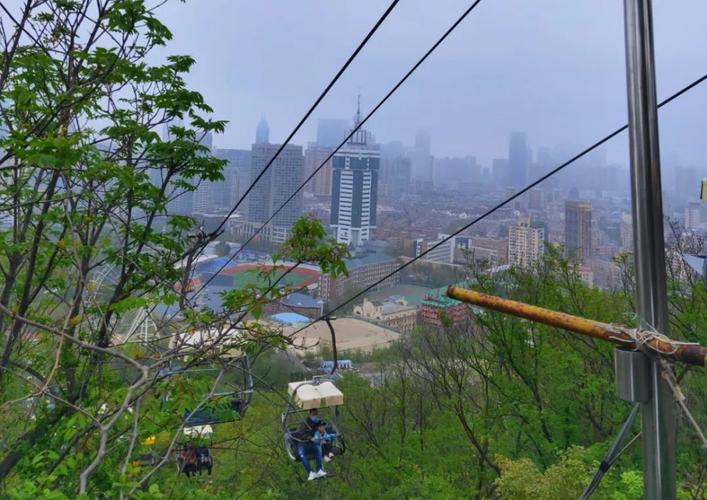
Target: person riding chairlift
306,444
187,460
203,459
325,440
313,419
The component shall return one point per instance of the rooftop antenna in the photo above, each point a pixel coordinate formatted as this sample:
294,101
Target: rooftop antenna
357,118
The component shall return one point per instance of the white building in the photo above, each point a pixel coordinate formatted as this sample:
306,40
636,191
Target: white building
443,254
525,244
693,216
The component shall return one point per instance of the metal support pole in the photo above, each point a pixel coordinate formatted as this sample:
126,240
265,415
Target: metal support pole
658,413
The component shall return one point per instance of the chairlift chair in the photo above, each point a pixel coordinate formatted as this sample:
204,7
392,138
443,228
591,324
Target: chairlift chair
319,393
227,406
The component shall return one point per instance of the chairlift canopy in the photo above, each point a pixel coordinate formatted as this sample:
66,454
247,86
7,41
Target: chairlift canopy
307,395
198,431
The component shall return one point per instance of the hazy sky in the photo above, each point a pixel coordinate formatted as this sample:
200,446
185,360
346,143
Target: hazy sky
552,68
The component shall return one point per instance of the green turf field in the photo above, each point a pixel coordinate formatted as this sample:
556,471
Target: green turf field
252,276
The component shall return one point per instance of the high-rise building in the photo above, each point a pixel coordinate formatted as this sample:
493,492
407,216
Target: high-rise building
277,184
500,172
181,201
395,170
422,158
525,243
330,132
208,194
518,159
262,132
578,230
236,174
354,194
626,232
314,156
536,199
452,173
693,216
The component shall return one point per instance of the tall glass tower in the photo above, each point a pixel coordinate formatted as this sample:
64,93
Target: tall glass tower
518,154
354,193
262,133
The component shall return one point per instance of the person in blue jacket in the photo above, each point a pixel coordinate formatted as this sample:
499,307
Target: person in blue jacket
324,440
306,445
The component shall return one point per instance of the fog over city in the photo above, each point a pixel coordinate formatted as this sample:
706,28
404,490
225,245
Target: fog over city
553,69
489,290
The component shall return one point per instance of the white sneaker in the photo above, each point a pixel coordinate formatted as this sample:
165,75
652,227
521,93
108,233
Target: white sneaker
327,458
321,473
312,476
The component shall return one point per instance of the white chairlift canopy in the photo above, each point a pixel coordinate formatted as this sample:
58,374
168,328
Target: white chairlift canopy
198,431
307,395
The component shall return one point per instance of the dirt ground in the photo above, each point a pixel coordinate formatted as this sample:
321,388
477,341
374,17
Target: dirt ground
351,335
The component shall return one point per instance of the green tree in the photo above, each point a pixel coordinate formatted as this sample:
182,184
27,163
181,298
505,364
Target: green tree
90,188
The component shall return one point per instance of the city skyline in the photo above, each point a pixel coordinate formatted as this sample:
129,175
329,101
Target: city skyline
500,57
199,218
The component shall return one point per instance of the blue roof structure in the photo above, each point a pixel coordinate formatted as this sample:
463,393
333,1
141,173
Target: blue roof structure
301,300
288,318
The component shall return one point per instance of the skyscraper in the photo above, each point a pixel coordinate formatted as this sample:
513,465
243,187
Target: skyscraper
693,216
277,184
422,157
578,230
518,159
262,132
314,156
452,173
181,201
395,176
355,187
525,243
236,174
207,196
500,172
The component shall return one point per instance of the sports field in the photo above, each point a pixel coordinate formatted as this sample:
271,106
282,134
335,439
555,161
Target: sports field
244,274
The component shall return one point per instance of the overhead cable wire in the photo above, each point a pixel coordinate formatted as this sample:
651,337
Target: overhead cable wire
612,453
299,125
353,131
306,116
501,204
328,320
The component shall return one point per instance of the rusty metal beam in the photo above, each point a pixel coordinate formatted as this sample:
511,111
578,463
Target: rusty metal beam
691,354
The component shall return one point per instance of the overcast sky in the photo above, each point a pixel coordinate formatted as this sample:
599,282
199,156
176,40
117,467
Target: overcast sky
552,68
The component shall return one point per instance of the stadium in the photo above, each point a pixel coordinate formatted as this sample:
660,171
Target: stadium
218,272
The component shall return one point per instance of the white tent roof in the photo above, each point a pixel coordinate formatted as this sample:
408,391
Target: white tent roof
307,395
